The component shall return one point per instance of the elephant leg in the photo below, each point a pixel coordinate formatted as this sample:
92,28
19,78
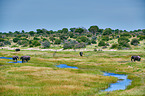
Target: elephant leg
22,61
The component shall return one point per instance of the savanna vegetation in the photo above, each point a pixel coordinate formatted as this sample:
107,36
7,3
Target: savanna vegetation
41,77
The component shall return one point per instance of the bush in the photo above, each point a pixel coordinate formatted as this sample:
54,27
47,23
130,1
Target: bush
80,45
1,44
35,38
83,39
46,44
93,41
1,40
36,43
57,41
7,42
134,41
101,43
105,38
15,40
125,34
114,46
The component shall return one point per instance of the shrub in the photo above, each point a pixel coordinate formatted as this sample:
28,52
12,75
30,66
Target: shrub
1,40
46,44
7,42
15,40
114,46
134,41
57,41
123,41
93,41
35,38
105,38
125,34
142,37
82,39
36,43
101,43
80,45
1,44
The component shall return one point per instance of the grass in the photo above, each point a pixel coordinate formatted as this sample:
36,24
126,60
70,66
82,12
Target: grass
40,76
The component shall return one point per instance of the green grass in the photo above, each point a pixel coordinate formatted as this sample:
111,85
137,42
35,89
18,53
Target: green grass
40,76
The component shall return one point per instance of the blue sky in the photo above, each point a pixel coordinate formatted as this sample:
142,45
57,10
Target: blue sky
29,15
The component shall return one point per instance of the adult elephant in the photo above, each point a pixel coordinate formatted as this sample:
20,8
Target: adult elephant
138,58
15,58
81,53
25,58
17,49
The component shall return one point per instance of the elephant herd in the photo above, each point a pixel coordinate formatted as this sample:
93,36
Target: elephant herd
138,58
24,58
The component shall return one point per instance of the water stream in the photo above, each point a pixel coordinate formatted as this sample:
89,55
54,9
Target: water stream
121,84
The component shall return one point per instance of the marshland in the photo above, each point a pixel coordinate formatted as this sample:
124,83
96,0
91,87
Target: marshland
104,50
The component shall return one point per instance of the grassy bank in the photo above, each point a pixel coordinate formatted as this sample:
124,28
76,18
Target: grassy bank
40,76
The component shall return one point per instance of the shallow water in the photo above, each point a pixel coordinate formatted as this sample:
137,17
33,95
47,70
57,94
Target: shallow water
10,59
121,84
16,62
66,66
6,58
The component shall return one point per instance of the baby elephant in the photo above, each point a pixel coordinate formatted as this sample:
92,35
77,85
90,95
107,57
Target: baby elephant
25,58
138,58
15,58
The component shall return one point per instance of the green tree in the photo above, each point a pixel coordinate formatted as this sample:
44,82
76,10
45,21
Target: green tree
107,31
72,29
94,29
143,31
65,30
32,33
79,30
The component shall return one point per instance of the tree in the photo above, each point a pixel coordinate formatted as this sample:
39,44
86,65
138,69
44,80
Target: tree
64,30
93,29
23,31
79,30
143,31
32,33
72,29
39,31
107,31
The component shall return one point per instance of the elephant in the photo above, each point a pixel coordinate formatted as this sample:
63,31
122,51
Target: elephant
17,49
81,53
25,58
138,58
15,57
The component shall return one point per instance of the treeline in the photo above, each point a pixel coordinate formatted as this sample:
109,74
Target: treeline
72,38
